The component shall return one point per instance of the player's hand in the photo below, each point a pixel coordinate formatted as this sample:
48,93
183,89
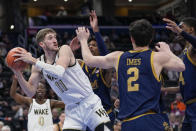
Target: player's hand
94,21
25,56
171,25
162,47
74,44
82,34
117,103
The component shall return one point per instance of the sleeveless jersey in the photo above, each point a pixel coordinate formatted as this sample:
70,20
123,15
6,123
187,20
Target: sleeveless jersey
188,78
99,85
139,86
73,87
40,117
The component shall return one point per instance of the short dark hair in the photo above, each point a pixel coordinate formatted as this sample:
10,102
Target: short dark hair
91,38
142,32
190,21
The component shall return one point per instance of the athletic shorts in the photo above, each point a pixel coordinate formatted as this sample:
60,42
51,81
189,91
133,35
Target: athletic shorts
89,112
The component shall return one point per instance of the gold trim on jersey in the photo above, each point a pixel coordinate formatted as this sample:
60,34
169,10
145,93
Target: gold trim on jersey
117,66
152,66
137,51
191,101
190,59
82,64
135,117
109,111
101,72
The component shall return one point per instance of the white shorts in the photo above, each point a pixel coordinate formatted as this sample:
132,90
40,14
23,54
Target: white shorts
89,112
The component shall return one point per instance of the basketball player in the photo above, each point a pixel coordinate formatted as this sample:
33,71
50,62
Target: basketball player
39,116
59,125
65,76
100,79
138,73
188,77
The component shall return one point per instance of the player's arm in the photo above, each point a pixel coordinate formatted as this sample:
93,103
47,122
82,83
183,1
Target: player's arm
170,90
29,87
94,24
16,96
105,62
168,60
171,25
61,64
57,104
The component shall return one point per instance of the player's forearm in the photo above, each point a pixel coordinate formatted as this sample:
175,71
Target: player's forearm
13,88
191,39
53,69
171,90
26,87
100,43
86,53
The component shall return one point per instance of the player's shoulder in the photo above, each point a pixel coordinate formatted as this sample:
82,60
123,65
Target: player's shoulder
159,57
116,53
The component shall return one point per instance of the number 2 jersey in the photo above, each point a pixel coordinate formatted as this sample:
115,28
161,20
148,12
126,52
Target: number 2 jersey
72,87
139,86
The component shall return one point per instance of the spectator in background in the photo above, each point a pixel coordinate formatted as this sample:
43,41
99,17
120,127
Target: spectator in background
6,128
178,104
1,125
55,115
109,44
59,125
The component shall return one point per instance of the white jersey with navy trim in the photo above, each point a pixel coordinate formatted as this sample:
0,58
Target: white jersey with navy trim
72,87
40,117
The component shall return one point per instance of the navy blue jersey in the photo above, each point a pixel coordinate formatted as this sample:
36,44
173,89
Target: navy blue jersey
188,78
99,85
139,86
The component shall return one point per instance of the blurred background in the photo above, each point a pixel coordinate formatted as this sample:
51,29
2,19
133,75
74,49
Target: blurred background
21,19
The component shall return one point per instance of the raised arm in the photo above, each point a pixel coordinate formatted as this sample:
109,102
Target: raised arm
164,58
16,96
171,25
105,62
61,64
94,24
29,87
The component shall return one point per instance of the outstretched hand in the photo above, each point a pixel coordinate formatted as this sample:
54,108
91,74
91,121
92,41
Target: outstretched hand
171,25
74,44
94,21
82,34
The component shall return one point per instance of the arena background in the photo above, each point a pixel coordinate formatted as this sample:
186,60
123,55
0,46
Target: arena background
21,19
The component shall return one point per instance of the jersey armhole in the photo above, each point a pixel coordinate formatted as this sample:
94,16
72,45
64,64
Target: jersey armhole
152,66
190,59
117,66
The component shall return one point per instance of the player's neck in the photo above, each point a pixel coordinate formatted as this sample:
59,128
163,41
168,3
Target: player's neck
50,57
40,101
140,48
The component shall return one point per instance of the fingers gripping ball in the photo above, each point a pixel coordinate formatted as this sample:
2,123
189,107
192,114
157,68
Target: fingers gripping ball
19,65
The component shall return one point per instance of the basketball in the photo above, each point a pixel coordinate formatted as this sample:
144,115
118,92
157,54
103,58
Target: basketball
19,65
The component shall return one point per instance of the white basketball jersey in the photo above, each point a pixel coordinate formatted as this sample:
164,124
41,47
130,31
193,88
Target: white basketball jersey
73,87
40,117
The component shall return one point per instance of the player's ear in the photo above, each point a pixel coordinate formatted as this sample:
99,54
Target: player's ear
41,44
